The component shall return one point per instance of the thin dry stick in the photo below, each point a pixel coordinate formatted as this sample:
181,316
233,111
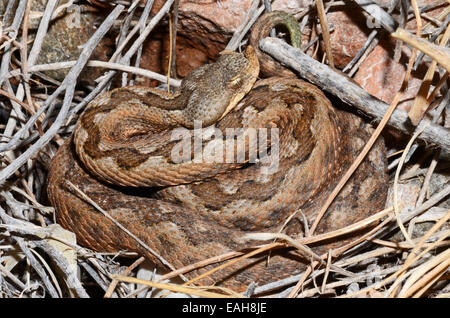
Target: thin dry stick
366,237
171,51
23,54
363,53
418,19
137,43
49,271
127,57
435,35
345,282
325,31
336,253
299,284
391,248
418,33
37,267
407,277
9,40
125,272
172,65
124,28
253,13
41,32
18,101
340,232
406,246
142,20
13,30
71,278
7,52
101,64
13,278
430,278
327,271
438,87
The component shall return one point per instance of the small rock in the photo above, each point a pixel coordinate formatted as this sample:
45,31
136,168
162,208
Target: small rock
65,37
352,288
349,35
382,76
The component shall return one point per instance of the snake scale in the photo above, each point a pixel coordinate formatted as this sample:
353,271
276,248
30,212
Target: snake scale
120,156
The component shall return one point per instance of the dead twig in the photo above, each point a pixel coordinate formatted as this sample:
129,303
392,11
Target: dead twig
351,93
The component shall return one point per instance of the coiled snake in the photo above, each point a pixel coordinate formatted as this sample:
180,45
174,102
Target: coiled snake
191,210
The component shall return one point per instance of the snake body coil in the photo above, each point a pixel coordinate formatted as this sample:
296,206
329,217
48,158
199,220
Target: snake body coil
191,211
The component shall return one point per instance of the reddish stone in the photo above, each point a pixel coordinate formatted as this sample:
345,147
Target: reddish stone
349,35
382,76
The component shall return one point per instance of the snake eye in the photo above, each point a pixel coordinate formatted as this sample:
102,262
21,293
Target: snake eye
235,82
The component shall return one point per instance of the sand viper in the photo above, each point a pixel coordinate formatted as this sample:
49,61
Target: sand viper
122,156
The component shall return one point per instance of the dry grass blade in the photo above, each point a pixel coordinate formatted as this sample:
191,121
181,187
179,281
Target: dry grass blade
414,256
304,250
268,236
203,263
425,274
399,276
440,54
357,226
236,260
422,100
196,291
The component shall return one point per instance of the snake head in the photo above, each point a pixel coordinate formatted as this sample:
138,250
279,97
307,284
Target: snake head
243,82
215,89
